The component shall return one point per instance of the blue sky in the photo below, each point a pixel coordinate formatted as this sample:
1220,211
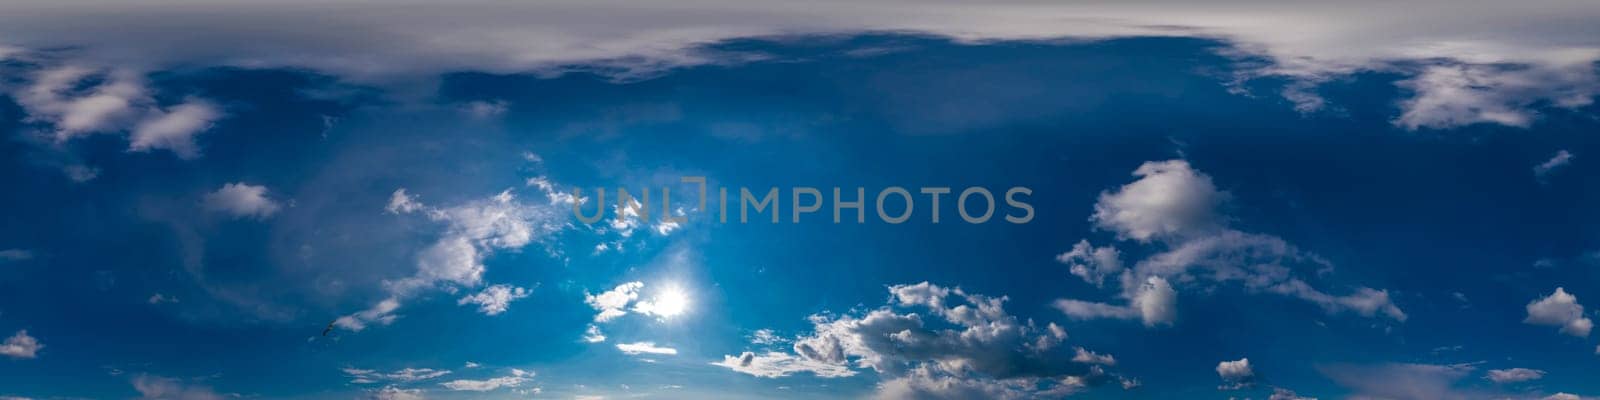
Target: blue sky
380,205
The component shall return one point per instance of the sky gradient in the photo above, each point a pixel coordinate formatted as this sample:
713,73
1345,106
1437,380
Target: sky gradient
1236,200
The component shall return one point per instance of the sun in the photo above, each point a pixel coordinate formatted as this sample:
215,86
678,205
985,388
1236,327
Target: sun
671,301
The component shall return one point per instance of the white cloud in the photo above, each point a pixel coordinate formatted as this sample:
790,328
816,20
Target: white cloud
473,231
774,364
53,98
626,219
1237,372
1155,303
613,303
1400,381
555,194
924,383
1089,357
406,375
1092,264
1367,302
402,203
20,345
80,173
638,348
665,227
1496,62
1561,159
765,337
1448,96
1513,375
117,101
988,353
159,388
485,109
593,335
394,393
15,255
1170,200
174,129
1173,206
241,200
1079,309
495,299
1560,309
516,378
1286,394
159,298
381,314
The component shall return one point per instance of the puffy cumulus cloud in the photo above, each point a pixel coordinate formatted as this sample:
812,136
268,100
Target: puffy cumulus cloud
474,229
1173,207
1170,200
401,202
1236,374
20,345
366,376
638,348
1082,355
592,334
775,364
159,388
665,227
241,200
613,303
1448,96
394,393
1092,264
1157,301
1513,375
114,101
495,299
472,232
626,219
1560,309
1561,159
515,378
983,352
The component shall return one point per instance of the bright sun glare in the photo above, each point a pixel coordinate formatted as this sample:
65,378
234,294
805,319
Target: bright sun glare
671,302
